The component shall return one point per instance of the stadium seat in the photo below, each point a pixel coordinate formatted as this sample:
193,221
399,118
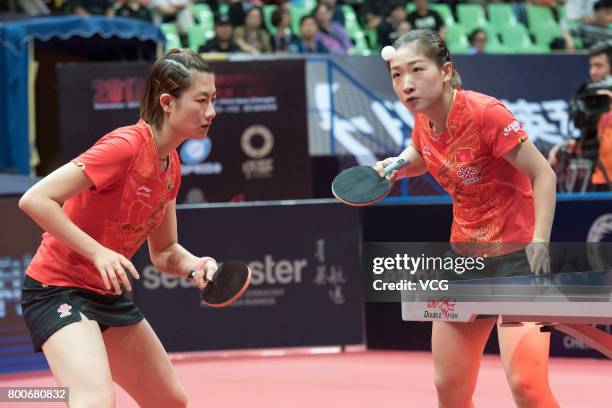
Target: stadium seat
267,17
372,36
297,13
501,15
171,34
445,12
196,35
351,24
538,16
545,34
471,16
493,45
516,39
203,14
456,39
360,44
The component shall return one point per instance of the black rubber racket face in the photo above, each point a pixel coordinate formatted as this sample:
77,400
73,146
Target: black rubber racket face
231,280
359,186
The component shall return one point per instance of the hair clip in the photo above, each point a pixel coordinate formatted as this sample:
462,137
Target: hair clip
388,52
177,66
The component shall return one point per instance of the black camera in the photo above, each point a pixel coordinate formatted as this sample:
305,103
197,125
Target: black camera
587,105
585,109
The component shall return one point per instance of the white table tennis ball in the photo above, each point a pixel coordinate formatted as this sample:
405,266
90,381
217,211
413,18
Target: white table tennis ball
387,53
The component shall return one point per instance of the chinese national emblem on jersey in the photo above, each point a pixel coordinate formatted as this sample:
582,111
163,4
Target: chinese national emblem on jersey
463,155
64,310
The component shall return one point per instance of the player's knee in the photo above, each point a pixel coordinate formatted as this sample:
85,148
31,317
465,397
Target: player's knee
526,390
453,390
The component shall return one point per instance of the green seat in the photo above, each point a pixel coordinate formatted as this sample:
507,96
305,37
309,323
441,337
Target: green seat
310,4
297,13
545,34
171,35
561,11
196,35
351,24
360,44
267,17
516,39
538,16
497,48
372,37
501,15
471,16
224,9
578,42
445,12
456,39
203,14
494,45
492,36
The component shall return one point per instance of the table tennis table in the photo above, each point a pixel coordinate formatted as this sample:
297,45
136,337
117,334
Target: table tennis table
571,302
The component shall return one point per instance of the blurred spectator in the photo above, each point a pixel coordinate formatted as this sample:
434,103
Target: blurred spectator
331,34
252,37
56,7
213,4
595,28
425,18
223,39
478,41
387,31
174,11
337,13
402,28
374,11
92,7
308,42
283,36
578,11
135,9
239,9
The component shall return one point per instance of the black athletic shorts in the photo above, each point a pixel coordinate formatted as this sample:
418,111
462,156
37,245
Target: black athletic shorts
46,309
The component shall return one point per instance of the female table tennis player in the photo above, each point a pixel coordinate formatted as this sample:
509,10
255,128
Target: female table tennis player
115,195
503,191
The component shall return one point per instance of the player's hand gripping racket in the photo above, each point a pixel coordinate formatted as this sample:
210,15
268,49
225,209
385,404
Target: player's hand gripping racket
362,185
230,281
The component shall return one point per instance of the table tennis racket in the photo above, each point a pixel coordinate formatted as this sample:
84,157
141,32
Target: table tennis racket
229,283
362,185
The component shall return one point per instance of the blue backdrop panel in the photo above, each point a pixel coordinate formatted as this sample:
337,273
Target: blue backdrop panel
306,283
19,238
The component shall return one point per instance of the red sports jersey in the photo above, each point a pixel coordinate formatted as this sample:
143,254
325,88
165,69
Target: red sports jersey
127,201
492,200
